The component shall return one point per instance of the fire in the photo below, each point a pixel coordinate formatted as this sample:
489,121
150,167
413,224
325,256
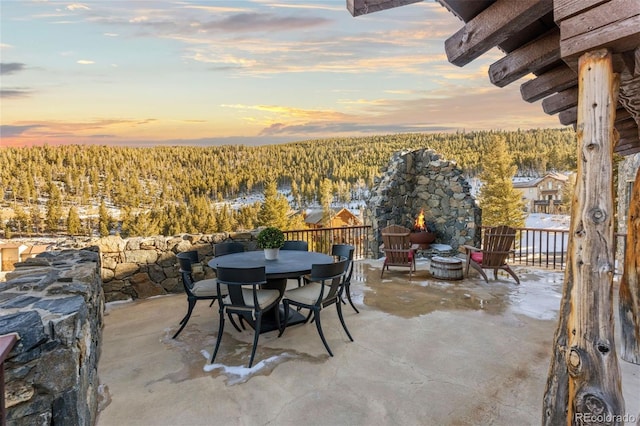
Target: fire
419,224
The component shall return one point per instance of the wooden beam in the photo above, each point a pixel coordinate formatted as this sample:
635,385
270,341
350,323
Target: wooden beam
584,377
560,101
493,26
629,151
563,9
530,57
362,7
622,114
568,116
629,293
556,80
613,24
625,144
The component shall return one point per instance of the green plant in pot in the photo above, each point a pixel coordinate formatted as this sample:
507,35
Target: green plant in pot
271,239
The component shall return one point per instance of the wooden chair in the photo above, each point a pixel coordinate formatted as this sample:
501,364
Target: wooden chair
496,247
398,249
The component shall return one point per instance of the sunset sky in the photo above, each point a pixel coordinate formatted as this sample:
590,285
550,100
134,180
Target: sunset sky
143,73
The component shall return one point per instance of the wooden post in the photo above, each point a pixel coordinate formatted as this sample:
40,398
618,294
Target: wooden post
584,386
629,307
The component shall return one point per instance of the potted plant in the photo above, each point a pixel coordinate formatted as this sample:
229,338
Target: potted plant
271,239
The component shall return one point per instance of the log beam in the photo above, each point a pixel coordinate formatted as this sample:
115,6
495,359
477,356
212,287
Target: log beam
560,101
530,57
556,80
584,376
629,294
493,26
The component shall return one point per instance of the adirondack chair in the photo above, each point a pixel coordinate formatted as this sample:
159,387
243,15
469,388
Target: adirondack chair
398,249
496,247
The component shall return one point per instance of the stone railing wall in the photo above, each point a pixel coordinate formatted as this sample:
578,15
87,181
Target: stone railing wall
55,303
418,180
137,268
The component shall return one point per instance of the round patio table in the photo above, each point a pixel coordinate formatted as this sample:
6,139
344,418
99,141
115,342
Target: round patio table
289,264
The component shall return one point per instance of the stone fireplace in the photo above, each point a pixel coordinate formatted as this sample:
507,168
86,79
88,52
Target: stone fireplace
421,180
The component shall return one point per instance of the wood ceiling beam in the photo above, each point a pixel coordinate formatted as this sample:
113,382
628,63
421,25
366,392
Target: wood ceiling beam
556,80
612,24
362,7
492,26
560,101
527,59
569,116
628,151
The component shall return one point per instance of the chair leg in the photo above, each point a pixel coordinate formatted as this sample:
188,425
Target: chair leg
513,274
233,322
185,320
348,290
256,336
285,303
316,317
478,268
219,338
342,321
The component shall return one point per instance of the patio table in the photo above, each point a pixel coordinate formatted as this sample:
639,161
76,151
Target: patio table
290,264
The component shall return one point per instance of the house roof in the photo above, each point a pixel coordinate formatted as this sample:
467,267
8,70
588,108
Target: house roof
534,182
545,38
315,216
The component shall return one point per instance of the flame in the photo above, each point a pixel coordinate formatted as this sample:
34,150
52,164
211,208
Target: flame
419,224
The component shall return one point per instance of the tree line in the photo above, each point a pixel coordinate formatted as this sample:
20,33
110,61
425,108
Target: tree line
170,190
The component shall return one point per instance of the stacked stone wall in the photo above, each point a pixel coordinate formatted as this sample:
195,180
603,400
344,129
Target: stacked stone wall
141,267
55,303
422,180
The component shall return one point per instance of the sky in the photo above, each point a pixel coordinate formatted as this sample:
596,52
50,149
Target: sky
146,73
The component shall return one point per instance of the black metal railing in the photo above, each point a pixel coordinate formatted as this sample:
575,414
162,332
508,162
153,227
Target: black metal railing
547,248
321,239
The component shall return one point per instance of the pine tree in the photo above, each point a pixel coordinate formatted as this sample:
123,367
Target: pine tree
275,207
326,198
73,222
54,208
501,204
104,220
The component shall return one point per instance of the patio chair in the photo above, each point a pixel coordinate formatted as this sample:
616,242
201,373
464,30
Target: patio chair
299,245
323,287
497,244
221,249
346,251
398,249
246,299
195,290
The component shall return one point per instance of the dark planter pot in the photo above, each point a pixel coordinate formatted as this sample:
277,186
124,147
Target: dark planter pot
424,238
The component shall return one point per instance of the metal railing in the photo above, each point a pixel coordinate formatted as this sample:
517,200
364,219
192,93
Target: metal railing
544,248
321,239
547,248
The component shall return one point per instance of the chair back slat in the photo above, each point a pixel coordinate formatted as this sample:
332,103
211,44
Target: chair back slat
299,245
254,277
397,245
497,244
345,251
221,249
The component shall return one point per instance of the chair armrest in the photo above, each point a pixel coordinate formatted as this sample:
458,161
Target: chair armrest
470,248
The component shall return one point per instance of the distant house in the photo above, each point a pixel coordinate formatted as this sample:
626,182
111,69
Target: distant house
543,195
12,253
343,217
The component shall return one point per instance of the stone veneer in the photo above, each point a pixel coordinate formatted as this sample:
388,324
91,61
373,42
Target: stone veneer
55,303
421,179
141,267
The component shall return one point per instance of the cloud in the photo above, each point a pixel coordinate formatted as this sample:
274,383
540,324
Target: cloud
7,68
77,6
85,62
259,22
8,131
15,93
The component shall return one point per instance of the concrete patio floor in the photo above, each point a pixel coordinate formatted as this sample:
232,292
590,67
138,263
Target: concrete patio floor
426,352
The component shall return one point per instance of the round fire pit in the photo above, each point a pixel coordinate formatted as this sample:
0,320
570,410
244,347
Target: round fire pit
423,238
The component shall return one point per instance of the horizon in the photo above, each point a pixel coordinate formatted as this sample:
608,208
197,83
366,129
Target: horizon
256,72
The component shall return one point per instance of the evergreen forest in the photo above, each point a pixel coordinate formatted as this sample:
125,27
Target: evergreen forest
170,190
